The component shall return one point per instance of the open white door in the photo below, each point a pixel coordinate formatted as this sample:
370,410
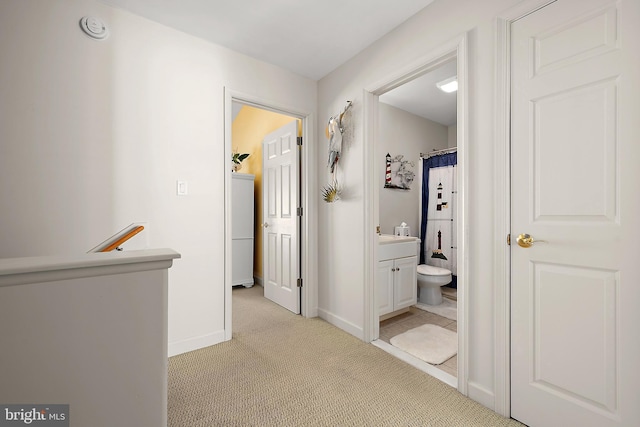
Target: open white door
280,253
575,147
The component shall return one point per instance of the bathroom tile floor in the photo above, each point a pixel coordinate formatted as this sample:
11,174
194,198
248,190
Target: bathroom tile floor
412,319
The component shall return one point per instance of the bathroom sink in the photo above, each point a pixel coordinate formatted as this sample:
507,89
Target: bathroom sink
390,238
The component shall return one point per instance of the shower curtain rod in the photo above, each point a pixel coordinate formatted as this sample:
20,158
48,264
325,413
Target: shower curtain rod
436,152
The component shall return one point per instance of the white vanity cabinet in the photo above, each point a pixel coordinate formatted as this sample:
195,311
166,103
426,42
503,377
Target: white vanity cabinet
397,276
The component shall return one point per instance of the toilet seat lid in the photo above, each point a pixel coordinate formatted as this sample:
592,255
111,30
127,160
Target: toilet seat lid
430,270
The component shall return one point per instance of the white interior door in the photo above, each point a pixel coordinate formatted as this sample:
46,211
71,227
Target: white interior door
575,149
280,256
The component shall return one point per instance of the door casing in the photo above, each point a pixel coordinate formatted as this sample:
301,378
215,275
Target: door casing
455,48
308,197
502,202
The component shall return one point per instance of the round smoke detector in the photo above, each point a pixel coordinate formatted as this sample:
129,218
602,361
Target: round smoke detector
94,27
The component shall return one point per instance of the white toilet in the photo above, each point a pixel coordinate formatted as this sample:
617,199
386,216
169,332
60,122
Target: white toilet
430,279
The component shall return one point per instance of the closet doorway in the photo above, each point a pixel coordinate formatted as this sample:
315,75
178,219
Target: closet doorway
406,101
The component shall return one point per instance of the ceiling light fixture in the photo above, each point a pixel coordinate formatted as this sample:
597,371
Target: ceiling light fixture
449,85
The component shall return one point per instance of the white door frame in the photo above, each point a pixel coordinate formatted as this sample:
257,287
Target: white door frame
308,200
455,48
502,202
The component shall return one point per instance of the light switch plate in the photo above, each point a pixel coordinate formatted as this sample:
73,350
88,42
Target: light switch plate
182,188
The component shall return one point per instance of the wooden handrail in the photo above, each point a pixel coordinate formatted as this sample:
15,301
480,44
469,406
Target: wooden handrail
123,239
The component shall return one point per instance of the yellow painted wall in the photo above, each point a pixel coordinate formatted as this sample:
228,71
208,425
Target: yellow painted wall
248,130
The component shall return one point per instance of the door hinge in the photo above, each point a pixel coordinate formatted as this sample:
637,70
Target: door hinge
299,140
299,282
509,239
299,211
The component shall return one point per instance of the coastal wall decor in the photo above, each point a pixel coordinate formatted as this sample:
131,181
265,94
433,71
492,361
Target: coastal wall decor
334,131
398,173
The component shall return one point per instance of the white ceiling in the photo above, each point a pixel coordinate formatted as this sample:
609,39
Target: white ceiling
309,37
422,98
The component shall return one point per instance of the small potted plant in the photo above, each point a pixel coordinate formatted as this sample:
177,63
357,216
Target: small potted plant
237,159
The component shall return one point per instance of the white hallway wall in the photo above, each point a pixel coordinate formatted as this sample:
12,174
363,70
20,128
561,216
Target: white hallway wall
341,274
94,135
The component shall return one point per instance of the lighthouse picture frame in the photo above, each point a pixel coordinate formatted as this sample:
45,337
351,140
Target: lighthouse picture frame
398,172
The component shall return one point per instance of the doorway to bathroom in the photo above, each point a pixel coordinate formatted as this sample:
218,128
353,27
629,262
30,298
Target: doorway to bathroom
411,120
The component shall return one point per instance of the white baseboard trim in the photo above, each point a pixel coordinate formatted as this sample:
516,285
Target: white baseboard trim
425,367
481,395
341,323
257,280
195,343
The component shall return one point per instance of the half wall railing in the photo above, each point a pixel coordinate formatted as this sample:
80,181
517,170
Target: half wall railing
115,241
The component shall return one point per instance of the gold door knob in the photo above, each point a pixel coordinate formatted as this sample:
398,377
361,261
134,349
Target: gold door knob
526,241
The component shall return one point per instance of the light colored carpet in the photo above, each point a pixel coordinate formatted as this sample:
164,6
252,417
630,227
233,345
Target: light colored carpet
431,343
448,308
284,370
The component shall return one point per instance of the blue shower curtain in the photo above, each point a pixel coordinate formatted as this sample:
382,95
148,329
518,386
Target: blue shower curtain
438,161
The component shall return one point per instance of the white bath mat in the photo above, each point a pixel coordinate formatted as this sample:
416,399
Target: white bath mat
448,308
431,343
